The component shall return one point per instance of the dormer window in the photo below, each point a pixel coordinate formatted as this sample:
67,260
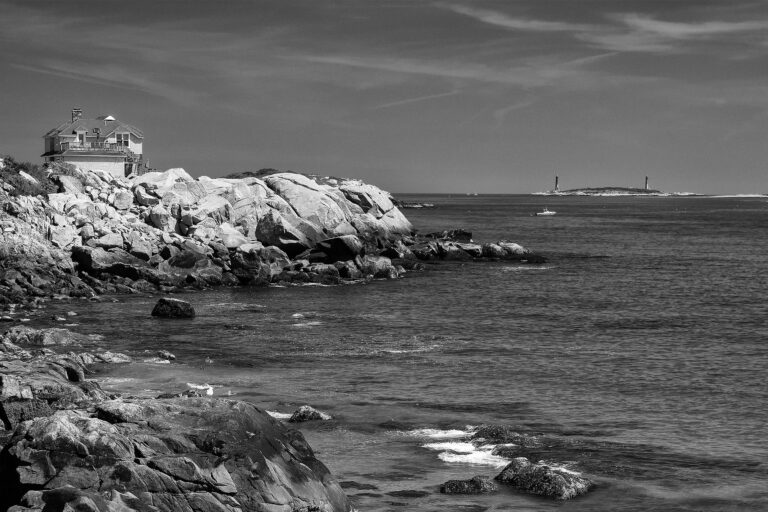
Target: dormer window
122,139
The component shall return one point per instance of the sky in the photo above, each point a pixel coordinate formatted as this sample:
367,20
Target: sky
413,96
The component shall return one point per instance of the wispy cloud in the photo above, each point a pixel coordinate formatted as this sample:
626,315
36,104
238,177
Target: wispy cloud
500,19
638,33
417,99
622,32
675,30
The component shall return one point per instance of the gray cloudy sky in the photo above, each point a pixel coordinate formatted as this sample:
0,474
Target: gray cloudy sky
454,96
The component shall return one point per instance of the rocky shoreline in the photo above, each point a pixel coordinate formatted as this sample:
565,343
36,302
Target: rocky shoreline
68,233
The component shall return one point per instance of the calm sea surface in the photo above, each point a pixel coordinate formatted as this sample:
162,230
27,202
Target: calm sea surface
639,352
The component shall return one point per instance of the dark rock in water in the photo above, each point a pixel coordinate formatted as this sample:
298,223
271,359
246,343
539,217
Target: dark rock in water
341,248
173,308
456,235
348,270
308,413
544,480
475,485
164,354
194,454
378,267
504,434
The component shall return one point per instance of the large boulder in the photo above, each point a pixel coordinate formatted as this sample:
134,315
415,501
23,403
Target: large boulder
160,182
95,260
123,200
285,232
378,267
231,237
341,248
194,454
173,308
544,480
308,199
215,207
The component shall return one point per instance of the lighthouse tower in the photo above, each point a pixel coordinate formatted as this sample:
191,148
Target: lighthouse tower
646,183
557,183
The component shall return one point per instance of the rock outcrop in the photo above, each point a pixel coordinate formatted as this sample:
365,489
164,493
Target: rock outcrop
70,446
163,230
196,454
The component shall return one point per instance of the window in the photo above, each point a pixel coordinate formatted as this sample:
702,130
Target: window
122,139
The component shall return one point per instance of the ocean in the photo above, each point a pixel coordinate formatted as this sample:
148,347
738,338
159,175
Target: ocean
637,355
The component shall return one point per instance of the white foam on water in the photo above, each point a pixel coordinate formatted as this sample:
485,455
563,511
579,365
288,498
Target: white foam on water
307,324
157,360
279,415
433,433
411,350
455,447
207,387
116,380
523,268
297,315
481,456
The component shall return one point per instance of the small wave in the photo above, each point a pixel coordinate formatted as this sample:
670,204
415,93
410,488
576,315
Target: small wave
522,268
307,324
410,350
231,305
434,433
157,360
479,457
279,415
207,387
451,446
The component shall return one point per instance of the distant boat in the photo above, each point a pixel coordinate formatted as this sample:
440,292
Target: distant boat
545,213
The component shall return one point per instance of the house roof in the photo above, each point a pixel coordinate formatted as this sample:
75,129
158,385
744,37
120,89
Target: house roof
106,127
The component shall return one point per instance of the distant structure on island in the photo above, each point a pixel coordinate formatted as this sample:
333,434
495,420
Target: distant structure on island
103,143
604,191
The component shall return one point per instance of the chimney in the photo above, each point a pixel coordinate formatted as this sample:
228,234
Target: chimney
77,113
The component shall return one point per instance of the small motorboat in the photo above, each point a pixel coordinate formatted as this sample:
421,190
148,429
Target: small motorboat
545,213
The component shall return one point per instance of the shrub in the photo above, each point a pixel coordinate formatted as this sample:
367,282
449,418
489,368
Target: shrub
22,186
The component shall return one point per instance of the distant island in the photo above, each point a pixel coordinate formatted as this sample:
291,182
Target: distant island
609,191
605,191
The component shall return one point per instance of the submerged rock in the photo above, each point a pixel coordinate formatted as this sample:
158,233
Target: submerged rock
173,308
308,413
539,478
475,485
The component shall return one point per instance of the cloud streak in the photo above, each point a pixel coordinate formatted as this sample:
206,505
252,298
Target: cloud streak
500,19
417,99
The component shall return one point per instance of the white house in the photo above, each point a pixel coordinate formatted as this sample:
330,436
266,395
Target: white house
103,143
